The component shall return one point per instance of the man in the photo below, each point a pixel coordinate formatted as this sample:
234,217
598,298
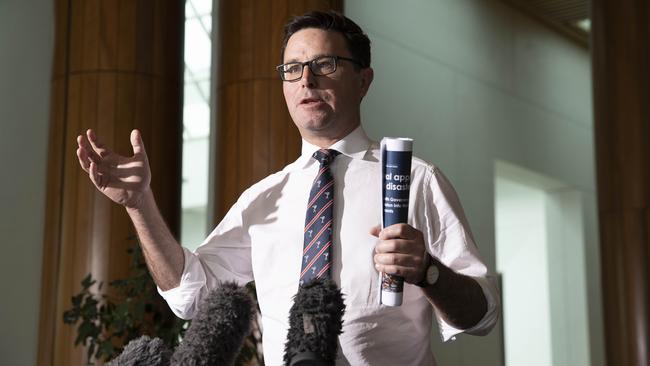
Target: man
264,237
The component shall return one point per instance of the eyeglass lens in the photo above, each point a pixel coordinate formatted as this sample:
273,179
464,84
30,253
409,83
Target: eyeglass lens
319,66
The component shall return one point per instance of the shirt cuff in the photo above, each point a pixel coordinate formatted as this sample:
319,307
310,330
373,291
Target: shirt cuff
182,299
488,321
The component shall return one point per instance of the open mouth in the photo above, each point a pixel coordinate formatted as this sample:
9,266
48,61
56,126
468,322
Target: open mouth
311,101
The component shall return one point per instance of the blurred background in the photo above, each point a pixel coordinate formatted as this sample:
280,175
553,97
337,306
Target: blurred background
533,109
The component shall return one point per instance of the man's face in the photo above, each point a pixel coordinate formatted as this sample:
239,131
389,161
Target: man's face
324,108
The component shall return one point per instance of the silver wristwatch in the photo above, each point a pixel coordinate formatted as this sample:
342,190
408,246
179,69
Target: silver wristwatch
430,276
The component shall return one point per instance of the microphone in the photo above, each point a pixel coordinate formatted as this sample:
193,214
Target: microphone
218,329
315,322
143,351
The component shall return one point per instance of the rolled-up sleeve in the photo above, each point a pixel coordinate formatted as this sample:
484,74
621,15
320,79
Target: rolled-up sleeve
449,239
224,256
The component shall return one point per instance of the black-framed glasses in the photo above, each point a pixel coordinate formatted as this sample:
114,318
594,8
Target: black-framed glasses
323,65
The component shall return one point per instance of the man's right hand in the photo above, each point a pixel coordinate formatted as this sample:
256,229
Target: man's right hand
125,180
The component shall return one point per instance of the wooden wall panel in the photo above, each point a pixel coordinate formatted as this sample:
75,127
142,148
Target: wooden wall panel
117,66
256,136
227,178
260,126
621,55
52,232
280,128
247,146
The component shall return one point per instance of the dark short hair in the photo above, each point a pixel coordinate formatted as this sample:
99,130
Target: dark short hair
357,41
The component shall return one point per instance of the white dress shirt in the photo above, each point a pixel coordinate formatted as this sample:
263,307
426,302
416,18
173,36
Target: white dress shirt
261,239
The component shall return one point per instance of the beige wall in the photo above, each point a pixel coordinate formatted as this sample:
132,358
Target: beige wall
474,82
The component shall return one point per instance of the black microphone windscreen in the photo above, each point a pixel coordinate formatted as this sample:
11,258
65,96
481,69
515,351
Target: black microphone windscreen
315,322
143,351
218,329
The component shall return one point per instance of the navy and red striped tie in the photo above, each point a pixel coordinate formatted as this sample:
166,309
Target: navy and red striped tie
317,252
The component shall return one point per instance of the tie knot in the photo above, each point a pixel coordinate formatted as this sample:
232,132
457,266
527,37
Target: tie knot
325,156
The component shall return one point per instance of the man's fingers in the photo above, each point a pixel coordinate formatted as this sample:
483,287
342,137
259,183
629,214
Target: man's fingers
137,143
375,230
408,268
394,246
84,161
392,269
97,146
95,177
396,259
82,142
399,231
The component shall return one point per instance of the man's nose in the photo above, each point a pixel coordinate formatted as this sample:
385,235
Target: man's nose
308,80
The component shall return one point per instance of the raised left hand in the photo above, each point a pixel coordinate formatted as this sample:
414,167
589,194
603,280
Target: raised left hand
400,252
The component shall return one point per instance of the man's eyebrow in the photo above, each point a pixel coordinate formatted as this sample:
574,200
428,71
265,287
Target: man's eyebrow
313,58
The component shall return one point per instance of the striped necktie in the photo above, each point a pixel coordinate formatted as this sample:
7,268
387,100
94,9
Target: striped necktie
317,253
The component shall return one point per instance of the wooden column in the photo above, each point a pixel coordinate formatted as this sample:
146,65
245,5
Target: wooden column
256,136
621,62
117,66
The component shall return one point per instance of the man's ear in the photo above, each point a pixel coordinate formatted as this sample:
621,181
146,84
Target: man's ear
367,75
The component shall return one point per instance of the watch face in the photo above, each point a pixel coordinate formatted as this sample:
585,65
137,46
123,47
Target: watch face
432,274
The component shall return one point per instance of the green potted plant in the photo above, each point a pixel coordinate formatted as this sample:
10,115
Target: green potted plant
134,308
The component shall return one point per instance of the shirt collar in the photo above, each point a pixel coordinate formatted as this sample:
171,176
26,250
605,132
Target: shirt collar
355,145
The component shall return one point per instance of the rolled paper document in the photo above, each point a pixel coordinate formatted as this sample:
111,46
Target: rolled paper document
396,156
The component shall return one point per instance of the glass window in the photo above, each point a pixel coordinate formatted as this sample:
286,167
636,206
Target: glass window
196,121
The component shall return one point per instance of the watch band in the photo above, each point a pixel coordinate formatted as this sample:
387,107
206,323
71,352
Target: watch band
425,280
